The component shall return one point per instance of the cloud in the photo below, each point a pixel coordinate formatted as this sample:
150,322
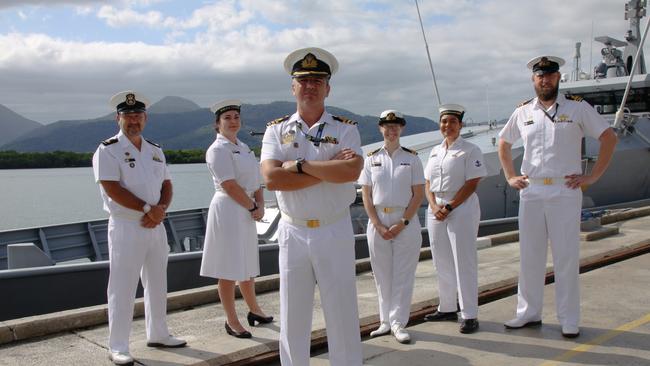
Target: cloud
235,49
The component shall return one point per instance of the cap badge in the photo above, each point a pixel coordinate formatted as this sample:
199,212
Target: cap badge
390,116
309,61
130,99
544,62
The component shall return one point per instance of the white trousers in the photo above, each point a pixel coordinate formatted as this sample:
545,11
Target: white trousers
393,264
135,252
323,255
453,246
549,212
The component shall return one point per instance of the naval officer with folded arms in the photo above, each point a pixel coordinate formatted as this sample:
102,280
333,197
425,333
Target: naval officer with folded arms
552,127
392,186
311,159
136,189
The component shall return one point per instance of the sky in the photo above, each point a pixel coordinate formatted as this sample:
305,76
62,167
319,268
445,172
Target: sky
63,59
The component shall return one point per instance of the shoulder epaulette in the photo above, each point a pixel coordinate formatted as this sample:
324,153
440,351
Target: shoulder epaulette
279,120
373,152
409,150
109,141
525,102
153,143
574,98
345,120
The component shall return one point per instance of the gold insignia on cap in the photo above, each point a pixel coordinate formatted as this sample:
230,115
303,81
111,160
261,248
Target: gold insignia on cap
544,62
390,116
309,61
130,99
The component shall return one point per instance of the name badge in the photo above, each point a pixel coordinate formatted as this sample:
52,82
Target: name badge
406,164
529,122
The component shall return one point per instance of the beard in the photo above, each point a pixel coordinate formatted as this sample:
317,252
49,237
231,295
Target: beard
548,94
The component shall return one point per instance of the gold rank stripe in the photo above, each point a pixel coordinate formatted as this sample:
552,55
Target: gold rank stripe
598,341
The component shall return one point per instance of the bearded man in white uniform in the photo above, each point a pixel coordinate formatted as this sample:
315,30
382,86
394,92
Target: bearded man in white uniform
551,127
136,189
312,159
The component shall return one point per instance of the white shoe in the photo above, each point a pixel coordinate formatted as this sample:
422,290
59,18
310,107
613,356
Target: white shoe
120,358
384,328
570,331
517,323
400,333
169,342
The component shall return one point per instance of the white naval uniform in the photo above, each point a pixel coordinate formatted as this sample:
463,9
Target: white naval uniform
393,261
324,254
134,250
551,150
453,240
230,250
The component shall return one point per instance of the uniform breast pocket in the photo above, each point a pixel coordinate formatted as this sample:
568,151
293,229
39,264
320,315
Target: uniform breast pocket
159,170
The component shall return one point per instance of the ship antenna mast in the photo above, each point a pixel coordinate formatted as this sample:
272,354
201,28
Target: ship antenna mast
426,46
638,13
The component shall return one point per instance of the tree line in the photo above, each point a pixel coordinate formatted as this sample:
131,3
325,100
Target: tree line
11,159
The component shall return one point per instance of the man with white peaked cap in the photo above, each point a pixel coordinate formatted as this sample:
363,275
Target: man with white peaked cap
136,189
552,127
312,159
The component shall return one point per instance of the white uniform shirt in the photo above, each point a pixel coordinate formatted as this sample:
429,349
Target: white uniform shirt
233,161
141,172
391,178
552,149
287,140
448,169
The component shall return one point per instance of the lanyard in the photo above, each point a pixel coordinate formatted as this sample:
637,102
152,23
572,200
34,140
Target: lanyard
552,118
315,139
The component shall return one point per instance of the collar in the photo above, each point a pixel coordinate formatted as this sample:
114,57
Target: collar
560,100
458,144
324,118
224,141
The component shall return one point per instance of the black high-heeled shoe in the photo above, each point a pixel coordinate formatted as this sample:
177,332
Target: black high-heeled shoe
244,334
252,318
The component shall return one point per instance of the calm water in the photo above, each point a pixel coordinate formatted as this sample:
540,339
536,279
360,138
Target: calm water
38,197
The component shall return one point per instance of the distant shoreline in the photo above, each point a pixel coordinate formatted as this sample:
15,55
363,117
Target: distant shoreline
67,159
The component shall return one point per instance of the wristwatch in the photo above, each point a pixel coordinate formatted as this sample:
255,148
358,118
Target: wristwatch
146,208
255,207
449,207
405,221
299,162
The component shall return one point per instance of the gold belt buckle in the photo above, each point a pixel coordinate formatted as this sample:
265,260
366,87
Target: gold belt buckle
548,181
313,224
388,209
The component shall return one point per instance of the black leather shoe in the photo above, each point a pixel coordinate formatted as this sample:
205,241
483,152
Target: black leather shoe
440,316
468,326
244,334
252,318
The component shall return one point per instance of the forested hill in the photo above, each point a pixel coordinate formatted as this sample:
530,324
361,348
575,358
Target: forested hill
189,128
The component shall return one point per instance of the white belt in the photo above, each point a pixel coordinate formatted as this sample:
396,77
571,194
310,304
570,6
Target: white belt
127,216
314,223
386,209
548,181
447,194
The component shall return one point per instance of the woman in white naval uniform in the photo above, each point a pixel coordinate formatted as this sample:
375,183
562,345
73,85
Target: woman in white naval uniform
392,185
452,174
230,252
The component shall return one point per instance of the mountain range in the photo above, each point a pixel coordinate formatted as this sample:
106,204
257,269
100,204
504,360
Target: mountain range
175,123
13,125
